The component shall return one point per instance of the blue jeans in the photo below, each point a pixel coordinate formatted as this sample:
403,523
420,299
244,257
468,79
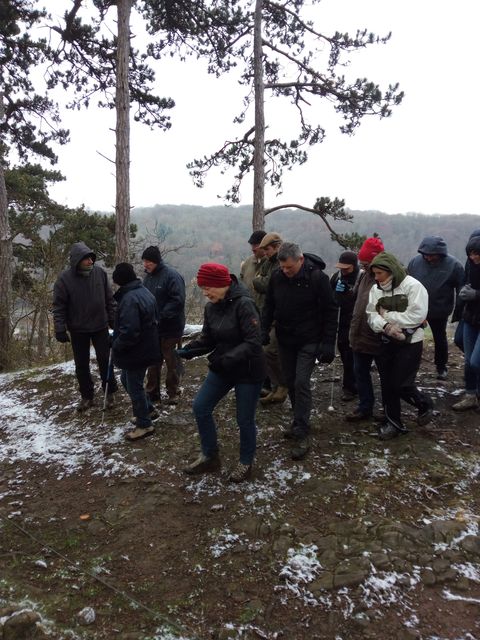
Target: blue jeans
471,344
132,380
213,389
362,363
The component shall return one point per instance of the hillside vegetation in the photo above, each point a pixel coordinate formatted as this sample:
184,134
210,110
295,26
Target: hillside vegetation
221,233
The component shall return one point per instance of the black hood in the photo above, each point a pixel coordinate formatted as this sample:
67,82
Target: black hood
79,251
316,261
433,245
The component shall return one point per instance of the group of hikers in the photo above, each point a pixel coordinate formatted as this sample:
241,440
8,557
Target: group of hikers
264,333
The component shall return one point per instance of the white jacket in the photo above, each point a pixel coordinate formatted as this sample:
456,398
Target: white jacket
414,315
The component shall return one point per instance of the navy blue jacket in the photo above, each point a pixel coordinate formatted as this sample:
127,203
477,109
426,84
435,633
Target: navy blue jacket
168,287
442,279
136,342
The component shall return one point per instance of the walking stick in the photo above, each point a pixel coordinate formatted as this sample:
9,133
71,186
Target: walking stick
109,375
330,407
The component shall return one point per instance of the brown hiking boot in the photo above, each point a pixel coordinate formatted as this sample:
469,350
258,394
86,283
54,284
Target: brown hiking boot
139,433
204,464
279,395
240,473
268,398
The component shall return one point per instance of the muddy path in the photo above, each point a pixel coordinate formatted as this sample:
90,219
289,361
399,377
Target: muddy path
363,539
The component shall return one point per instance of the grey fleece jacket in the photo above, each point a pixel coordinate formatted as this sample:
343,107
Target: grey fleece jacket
82,304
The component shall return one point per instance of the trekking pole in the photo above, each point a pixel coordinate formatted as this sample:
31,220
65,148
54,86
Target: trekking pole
330,407
109,374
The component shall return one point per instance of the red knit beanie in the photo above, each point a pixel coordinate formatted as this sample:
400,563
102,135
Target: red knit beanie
212,274
369,249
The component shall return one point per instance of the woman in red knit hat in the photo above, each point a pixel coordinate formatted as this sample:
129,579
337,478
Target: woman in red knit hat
231,336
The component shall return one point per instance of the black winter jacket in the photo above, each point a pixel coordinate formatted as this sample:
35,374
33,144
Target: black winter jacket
302,307
168,287
231,334
136,342
82,304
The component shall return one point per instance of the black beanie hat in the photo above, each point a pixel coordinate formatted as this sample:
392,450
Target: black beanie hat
123,274
152,254
257,237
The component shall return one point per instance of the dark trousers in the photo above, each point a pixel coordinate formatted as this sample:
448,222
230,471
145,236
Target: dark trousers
81,354
173,366
438,327
213,389
297,366
471,341
346,354
363,375
132,380
398,365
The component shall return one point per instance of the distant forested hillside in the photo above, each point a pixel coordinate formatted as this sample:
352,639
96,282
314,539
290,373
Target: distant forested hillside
220,234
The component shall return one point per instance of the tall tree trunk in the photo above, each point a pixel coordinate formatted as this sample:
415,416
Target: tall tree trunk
122,134
6,256
258,221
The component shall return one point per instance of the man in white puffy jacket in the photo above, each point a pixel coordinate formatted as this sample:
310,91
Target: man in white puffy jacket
397,308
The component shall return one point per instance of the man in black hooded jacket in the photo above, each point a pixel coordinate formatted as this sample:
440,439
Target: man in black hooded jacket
300,301
83,305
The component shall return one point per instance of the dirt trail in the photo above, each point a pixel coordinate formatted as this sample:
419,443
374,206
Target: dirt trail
363,539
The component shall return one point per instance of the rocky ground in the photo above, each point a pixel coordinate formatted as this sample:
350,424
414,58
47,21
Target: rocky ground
100,538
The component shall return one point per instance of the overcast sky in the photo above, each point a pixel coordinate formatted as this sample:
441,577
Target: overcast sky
424,158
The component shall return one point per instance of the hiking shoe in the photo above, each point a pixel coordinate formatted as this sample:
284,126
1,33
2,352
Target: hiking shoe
387,431
84,404
426,414
139,433
240,473
300,449
268,398
153,415
279,395
469,402
357,416
172,400
110,401
348,395
204,464
442,373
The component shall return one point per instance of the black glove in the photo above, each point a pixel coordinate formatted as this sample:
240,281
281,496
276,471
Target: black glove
327,354
265,338
216,365
62,336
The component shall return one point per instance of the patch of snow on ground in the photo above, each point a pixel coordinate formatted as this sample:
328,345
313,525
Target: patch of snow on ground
377,468
469,570
387,587
27,434
224,542
448,595
301,568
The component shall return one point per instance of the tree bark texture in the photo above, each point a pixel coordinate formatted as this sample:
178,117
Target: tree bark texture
6,257
122,134
258,221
